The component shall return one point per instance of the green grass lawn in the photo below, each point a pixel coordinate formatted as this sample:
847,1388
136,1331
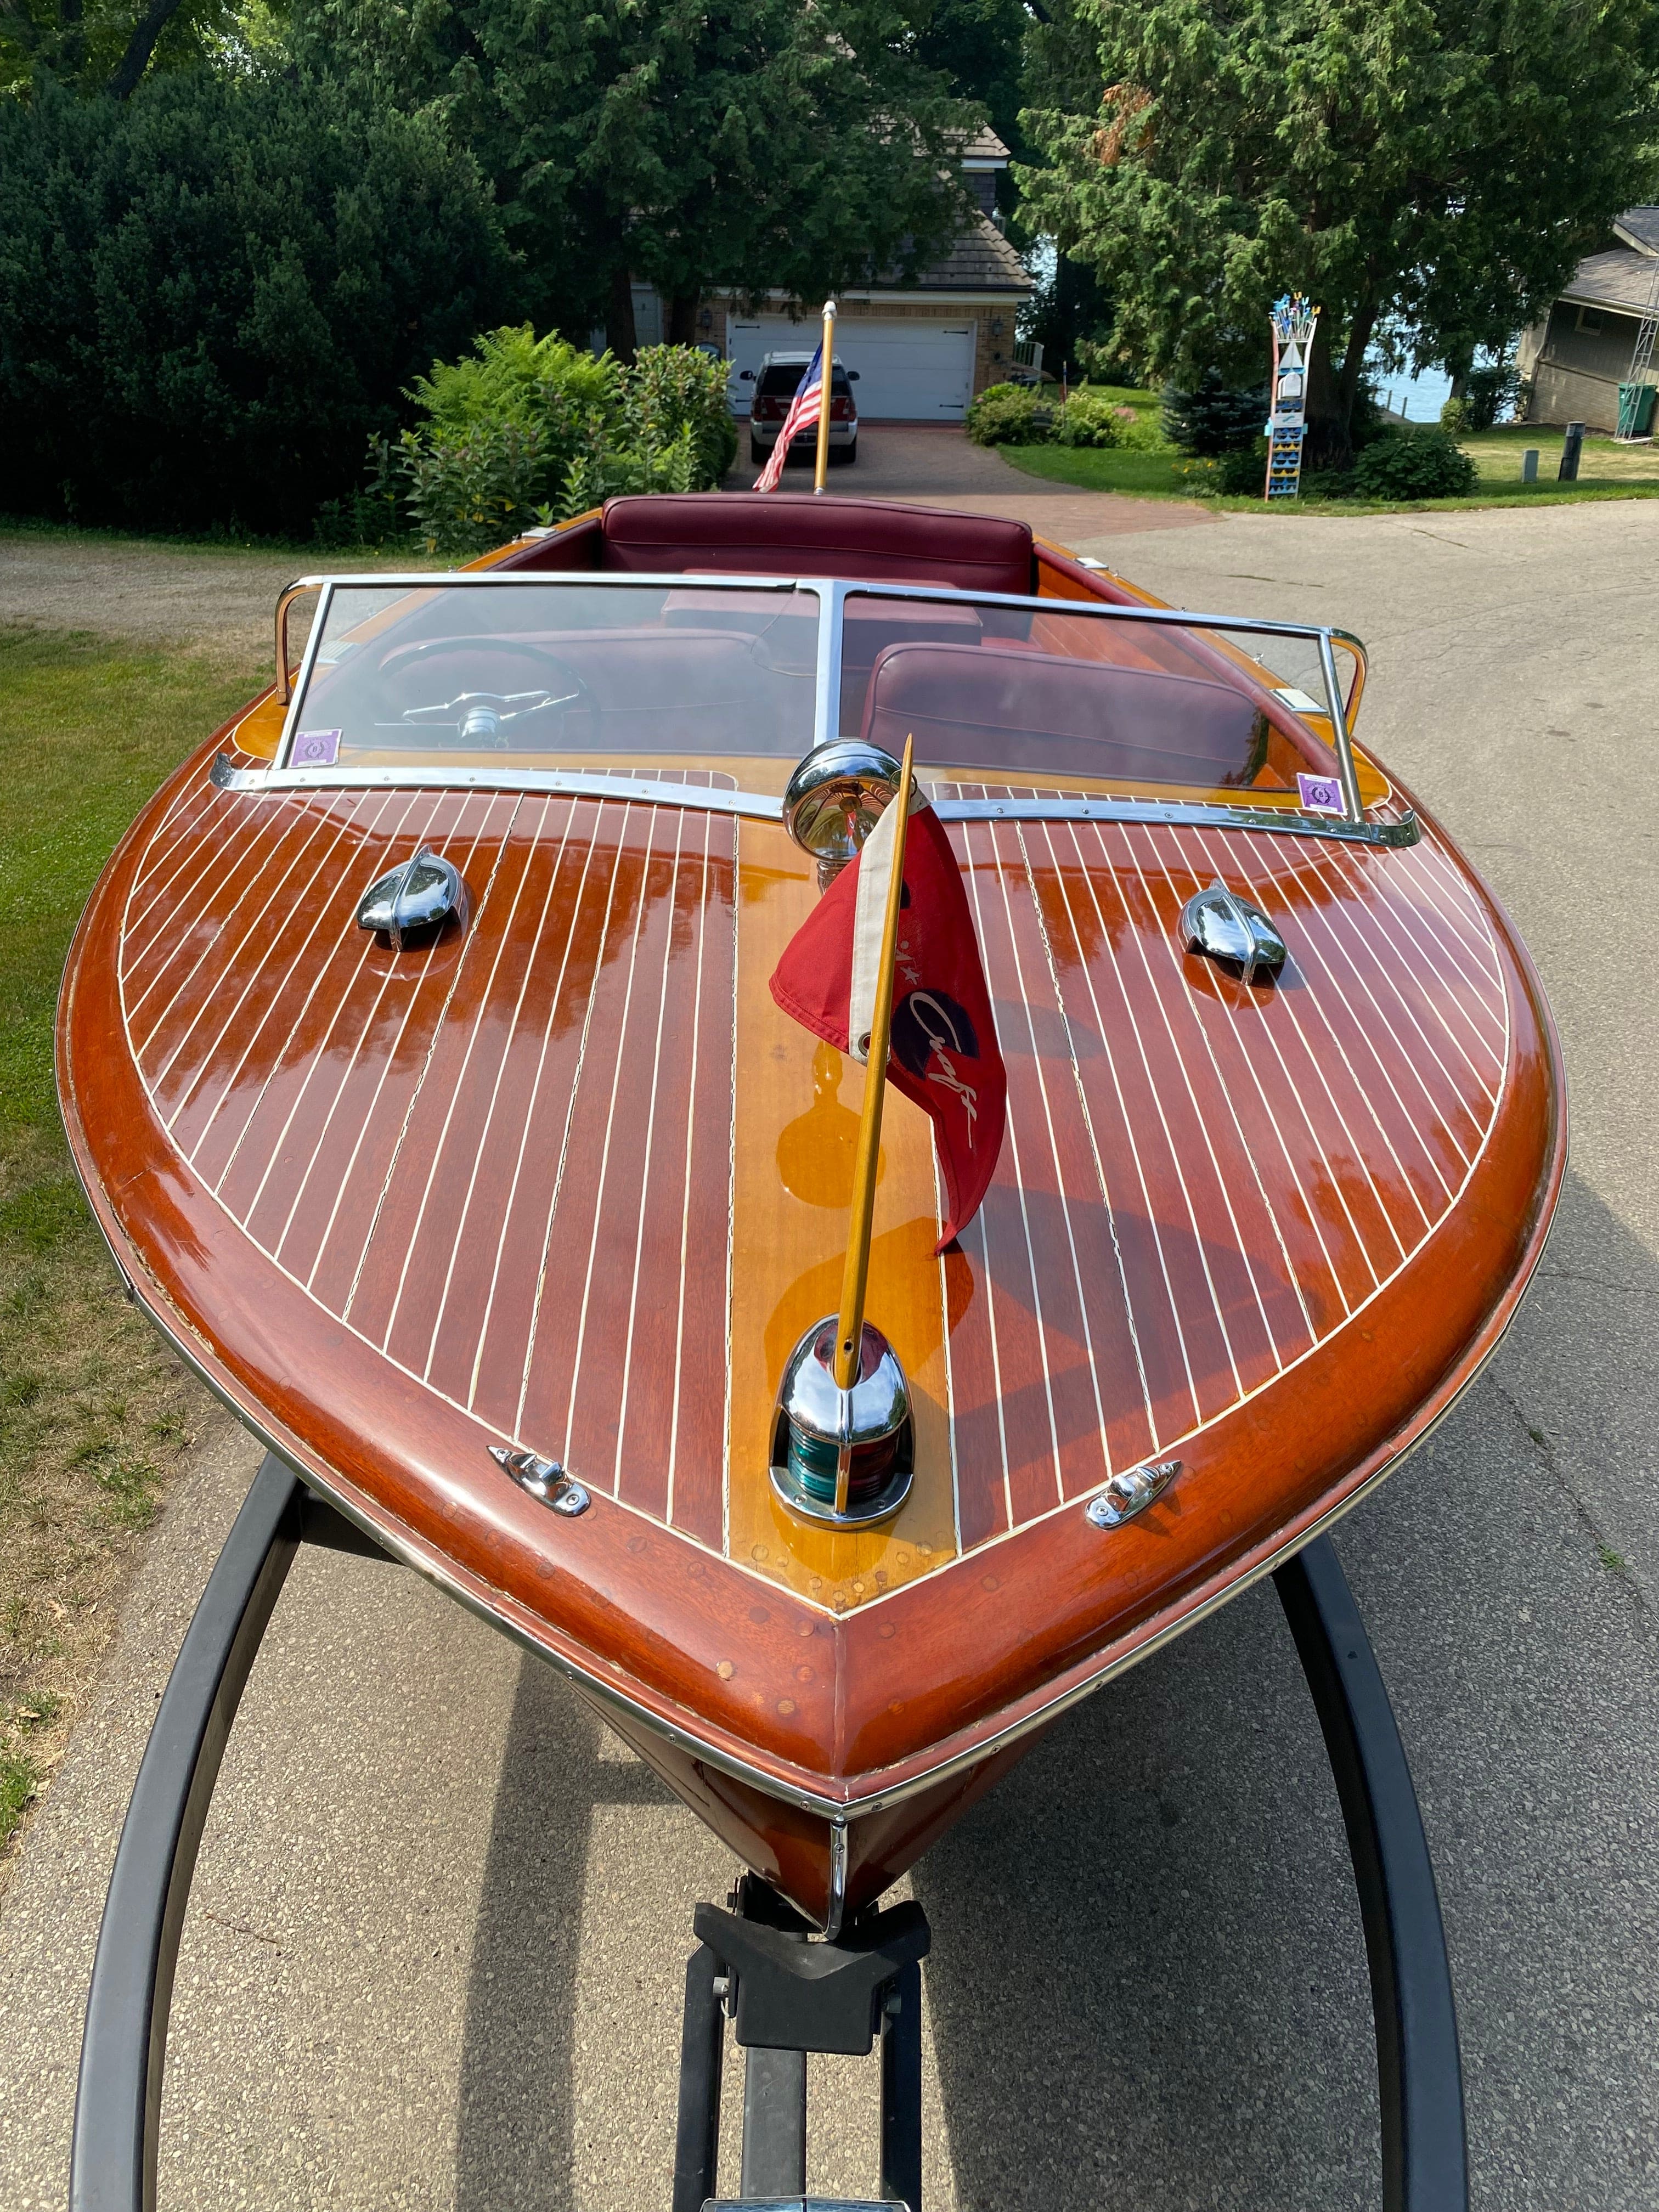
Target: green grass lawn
94,1410
1606,471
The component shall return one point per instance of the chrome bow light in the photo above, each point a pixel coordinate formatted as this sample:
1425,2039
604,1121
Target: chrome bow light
1225,926
835,797
844,1457
410,903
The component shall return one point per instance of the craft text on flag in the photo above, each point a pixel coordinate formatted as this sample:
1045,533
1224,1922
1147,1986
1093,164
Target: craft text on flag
943,1055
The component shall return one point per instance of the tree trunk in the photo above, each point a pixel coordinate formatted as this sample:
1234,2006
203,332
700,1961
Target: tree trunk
1332,392
1327,444
619,333
140,46
682,318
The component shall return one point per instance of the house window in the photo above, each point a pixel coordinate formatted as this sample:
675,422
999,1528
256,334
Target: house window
982,184
1589,321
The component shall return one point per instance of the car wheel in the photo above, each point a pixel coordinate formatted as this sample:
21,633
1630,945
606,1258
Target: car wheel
758,454
844,456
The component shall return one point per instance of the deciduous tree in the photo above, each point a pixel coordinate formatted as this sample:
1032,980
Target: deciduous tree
1432,167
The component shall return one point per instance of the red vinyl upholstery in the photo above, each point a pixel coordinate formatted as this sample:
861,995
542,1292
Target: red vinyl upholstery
795,534
1007,710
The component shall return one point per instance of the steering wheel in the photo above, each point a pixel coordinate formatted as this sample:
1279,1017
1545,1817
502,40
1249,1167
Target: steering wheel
489,722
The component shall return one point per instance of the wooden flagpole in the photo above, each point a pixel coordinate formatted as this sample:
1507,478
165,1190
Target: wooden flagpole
827,375
849,1330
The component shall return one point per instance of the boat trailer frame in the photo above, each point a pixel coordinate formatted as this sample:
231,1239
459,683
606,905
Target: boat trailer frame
756,1962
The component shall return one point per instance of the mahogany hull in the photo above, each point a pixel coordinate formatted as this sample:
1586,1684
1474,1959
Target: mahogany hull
1271,1231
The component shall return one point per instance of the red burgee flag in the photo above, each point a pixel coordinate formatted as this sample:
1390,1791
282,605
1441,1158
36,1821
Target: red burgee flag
943,1049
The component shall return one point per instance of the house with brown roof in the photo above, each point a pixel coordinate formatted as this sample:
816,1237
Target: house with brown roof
922,345
1572,363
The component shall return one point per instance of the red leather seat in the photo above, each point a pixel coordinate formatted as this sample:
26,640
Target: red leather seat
795,534
1009,711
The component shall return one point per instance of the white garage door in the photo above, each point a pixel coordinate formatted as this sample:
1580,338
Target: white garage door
908,372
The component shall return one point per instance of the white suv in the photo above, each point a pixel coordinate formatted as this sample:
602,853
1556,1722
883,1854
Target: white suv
775,383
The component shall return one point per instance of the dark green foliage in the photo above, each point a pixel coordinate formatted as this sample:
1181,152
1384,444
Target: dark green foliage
1491,392
1213,417
764,143
1417,464
1007,414
1433,166
1068,315
977,44
211,296
1243,470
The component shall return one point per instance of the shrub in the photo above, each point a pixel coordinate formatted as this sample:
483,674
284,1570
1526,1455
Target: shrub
1088,418
1007,414
1454,417
674,390
213,294
1213,417
1242,473
1493,393
1418,463
527,430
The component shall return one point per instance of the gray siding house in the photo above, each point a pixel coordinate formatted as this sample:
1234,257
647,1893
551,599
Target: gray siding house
1572,363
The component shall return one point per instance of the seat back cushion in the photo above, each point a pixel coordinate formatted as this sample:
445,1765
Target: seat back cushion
795,534
1007,710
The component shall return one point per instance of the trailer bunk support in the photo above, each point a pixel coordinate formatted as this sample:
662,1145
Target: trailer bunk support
747,1965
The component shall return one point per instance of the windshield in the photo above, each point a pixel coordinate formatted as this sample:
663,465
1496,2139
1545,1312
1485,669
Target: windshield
558,670
571,672
1014,695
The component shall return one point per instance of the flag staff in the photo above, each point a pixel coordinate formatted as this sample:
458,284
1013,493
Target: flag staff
849,1328
825,380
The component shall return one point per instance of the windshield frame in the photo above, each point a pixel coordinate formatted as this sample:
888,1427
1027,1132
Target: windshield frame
831,594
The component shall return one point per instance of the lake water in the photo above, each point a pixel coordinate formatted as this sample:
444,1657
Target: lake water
1419,398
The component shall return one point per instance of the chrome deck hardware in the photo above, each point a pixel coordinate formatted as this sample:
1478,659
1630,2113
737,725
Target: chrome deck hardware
1225,926
844,1457
412,903
834,798
544,1478
1130,1493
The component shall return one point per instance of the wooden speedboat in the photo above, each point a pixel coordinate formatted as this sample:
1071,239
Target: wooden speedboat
497,1208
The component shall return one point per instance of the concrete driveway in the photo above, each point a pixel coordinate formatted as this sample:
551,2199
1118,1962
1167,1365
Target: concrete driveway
433,1948
934,464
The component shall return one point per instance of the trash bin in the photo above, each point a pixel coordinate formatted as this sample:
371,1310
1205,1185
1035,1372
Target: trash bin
1636,410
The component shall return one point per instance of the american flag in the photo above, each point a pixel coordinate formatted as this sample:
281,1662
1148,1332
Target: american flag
803,416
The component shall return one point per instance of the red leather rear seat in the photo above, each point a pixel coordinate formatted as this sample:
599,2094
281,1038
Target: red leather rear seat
795,534
1005,711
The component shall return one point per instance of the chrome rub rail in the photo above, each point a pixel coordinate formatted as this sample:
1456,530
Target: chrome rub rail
762,806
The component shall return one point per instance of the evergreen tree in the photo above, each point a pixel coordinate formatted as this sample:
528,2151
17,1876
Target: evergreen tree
761,144
1436,165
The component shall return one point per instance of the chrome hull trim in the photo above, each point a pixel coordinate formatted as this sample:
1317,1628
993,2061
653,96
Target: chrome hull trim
761,806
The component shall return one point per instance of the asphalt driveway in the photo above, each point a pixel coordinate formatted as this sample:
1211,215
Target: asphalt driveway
435,1945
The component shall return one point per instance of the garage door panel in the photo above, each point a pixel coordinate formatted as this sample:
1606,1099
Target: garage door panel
909,371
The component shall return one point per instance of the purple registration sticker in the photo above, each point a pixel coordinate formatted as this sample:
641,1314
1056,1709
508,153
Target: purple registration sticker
1319,794
315,749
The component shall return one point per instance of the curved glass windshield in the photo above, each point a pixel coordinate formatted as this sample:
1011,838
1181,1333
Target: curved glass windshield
505,672
549,672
